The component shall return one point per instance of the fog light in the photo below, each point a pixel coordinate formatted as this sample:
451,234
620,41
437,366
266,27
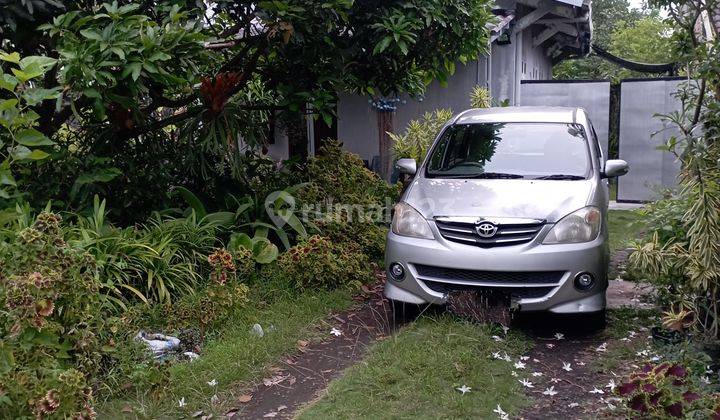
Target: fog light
584,281
397,271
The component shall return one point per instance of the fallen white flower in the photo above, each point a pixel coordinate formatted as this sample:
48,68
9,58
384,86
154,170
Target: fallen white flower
550,391
181,403
601,348
213,382
549,345
705,380
524,358
214,399
464,389
513,373
536,361
566,366
505,329
536,374
555,380
595,390
655,358
496,338
506,357
502,414
580,363
624,339
573,405
612,385
335,332
496,355
526,383
559,336
519,365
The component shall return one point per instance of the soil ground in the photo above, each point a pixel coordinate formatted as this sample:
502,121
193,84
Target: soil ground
302,377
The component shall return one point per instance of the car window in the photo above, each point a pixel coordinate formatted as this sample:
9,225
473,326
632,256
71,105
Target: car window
510,150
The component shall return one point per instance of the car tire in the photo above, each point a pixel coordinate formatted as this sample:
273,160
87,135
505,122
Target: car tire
404,312
595,321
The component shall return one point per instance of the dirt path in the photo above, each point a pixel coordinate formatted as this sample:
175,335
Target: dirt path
303,376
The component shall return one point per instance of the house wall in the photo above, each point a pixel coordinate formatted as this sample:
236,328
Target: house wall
357,120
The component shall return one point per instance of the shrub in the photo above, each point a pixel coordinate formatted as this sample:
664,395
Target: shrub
369,236
50,324
340,177
318,262
419,135
666,390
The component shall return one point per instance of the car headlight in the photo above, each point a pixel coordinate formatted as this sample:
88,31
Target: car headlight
579,226
409,222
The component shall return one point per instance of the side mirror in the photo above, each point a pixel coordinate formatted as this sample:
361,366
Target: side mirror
406,166
615,168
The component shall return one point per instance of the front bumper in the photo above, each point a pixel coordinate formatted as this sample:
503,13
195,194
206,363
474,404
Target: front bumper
557,294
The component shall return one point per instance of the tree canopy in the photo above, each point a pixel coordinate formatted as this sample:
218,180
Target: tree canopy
141,79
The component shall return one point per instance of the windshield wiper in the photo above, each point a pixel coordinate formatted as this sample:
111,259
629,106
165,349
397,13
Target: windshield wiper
561,177
496,175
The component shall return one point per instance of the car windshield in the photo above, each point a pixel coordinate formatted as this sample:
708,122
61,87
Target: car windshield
555,151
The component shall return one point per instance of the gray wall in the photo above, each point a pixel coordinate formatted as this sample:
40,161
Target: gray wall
593,96
357,120
641,133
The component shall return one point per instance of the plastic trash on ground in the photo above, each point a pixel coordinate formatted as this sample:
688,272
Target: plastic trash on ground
159,344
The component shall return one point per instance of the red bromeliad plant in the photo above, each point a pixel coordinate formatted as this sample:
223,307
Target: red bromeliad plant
666,390
216,92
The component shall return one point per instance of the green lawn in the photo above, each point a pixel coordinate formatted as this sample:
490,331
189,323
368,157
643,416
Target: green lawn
624,225
416,372
236,356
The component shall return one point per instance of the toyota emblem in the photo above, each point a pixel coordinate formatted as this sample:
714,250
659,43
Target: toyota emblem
486,230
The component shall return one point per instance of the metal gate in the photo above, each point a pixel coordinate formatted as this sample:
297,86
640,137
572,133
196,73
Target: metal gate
639,132
592,95
651,170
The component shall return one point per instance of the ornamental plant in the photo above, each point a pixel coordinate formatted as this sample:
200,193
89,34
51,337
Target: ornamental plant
666,390
318,262
20,142
50,324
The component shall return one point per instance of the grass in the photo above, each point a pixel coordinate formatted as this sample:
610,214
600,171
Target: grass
624,226
620,323
235,356
416,372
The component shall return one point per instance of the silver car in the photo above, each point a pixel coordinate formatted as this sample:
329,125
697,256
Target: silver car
512,199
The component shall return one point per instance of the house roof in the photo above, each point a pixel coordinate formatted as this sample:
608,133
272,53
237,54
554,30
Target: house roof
563,28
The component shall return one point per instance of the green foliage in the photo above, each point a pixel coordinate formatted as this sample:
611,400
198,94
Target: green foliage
155,262
633,34
113,56
340,177
368,236
419,135
320,263
480,97
257,249
52,344
20,141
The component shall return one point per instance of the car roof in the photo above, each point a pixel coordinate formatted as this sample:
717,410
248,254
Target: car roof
555,114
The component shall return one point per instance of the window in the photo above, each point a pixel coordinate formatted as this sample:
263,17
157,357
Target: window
510,150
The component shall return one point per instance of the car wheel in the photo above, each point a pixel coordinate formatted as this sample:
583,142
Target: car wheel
595,321
404,312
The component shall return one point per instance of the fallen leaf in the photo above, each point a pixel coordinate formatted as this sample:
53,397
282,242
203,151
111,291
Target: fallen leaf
303,343
270,414
127,409
282,407
197,414
245,398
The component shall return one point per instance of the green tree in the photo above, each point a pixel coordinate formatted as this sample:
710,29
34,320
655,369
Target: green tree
197,83
637,35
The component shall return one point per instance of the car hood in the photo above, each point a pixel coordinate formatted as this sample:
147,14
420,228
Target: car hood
548,200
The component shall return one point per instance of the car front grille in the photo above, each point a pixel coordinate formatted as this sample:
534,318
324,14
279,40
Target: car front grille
510,278
514,292
506,234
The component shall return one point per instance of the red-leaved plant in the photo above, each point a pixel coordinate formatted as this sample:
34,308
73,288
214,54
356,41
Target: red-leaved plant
667,390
